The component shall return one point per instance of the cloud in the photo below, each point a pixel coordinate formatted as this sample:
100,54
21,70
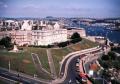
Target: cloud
3,4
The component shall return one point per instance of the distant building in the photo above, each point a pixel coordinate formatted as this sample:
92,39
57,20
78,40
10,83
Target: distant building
81,31
27,25
9,25
97,39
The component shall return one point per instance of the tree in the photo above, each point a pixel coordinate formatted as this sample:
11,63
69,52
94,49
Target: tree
75,38
105,57
75,35
112,55
116,64
6,41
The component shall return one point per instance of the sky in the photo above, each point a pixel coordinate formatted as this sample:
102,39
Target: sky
60,8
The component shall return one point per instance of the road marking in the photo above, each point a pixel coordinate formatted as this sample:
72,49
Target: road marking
1,77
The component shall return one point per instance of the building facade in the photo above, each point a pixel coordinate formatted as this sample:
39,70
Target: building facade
47,37
47,34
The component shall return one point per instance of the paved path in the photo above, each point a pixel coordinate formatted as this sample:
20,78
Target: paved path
38,65
51,64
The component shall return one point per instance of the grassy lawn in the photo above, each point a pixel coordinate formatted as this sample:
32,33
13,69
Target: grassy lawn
84,44
58,54
23,61
19,61
42,56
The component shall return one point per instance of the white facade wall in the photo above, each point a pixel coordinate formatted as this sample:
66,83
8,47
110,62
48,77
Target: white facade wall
21,37
48,37
3,34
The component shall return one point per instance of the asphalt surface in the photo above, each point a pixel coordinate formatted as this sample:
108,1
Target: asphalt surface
72,74
63,67
20,78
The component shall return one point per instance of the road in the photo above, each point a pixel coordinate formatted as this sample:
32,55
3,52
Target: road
68,69
72,74
64,61
63,67
20,77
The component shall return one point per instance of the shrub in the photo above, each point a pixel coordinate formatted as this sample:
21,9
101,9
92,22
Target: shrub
105,57
63,44
75,40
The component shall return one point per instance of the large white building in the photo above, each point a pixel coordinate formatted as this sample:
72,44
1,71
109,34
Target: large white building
47,35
